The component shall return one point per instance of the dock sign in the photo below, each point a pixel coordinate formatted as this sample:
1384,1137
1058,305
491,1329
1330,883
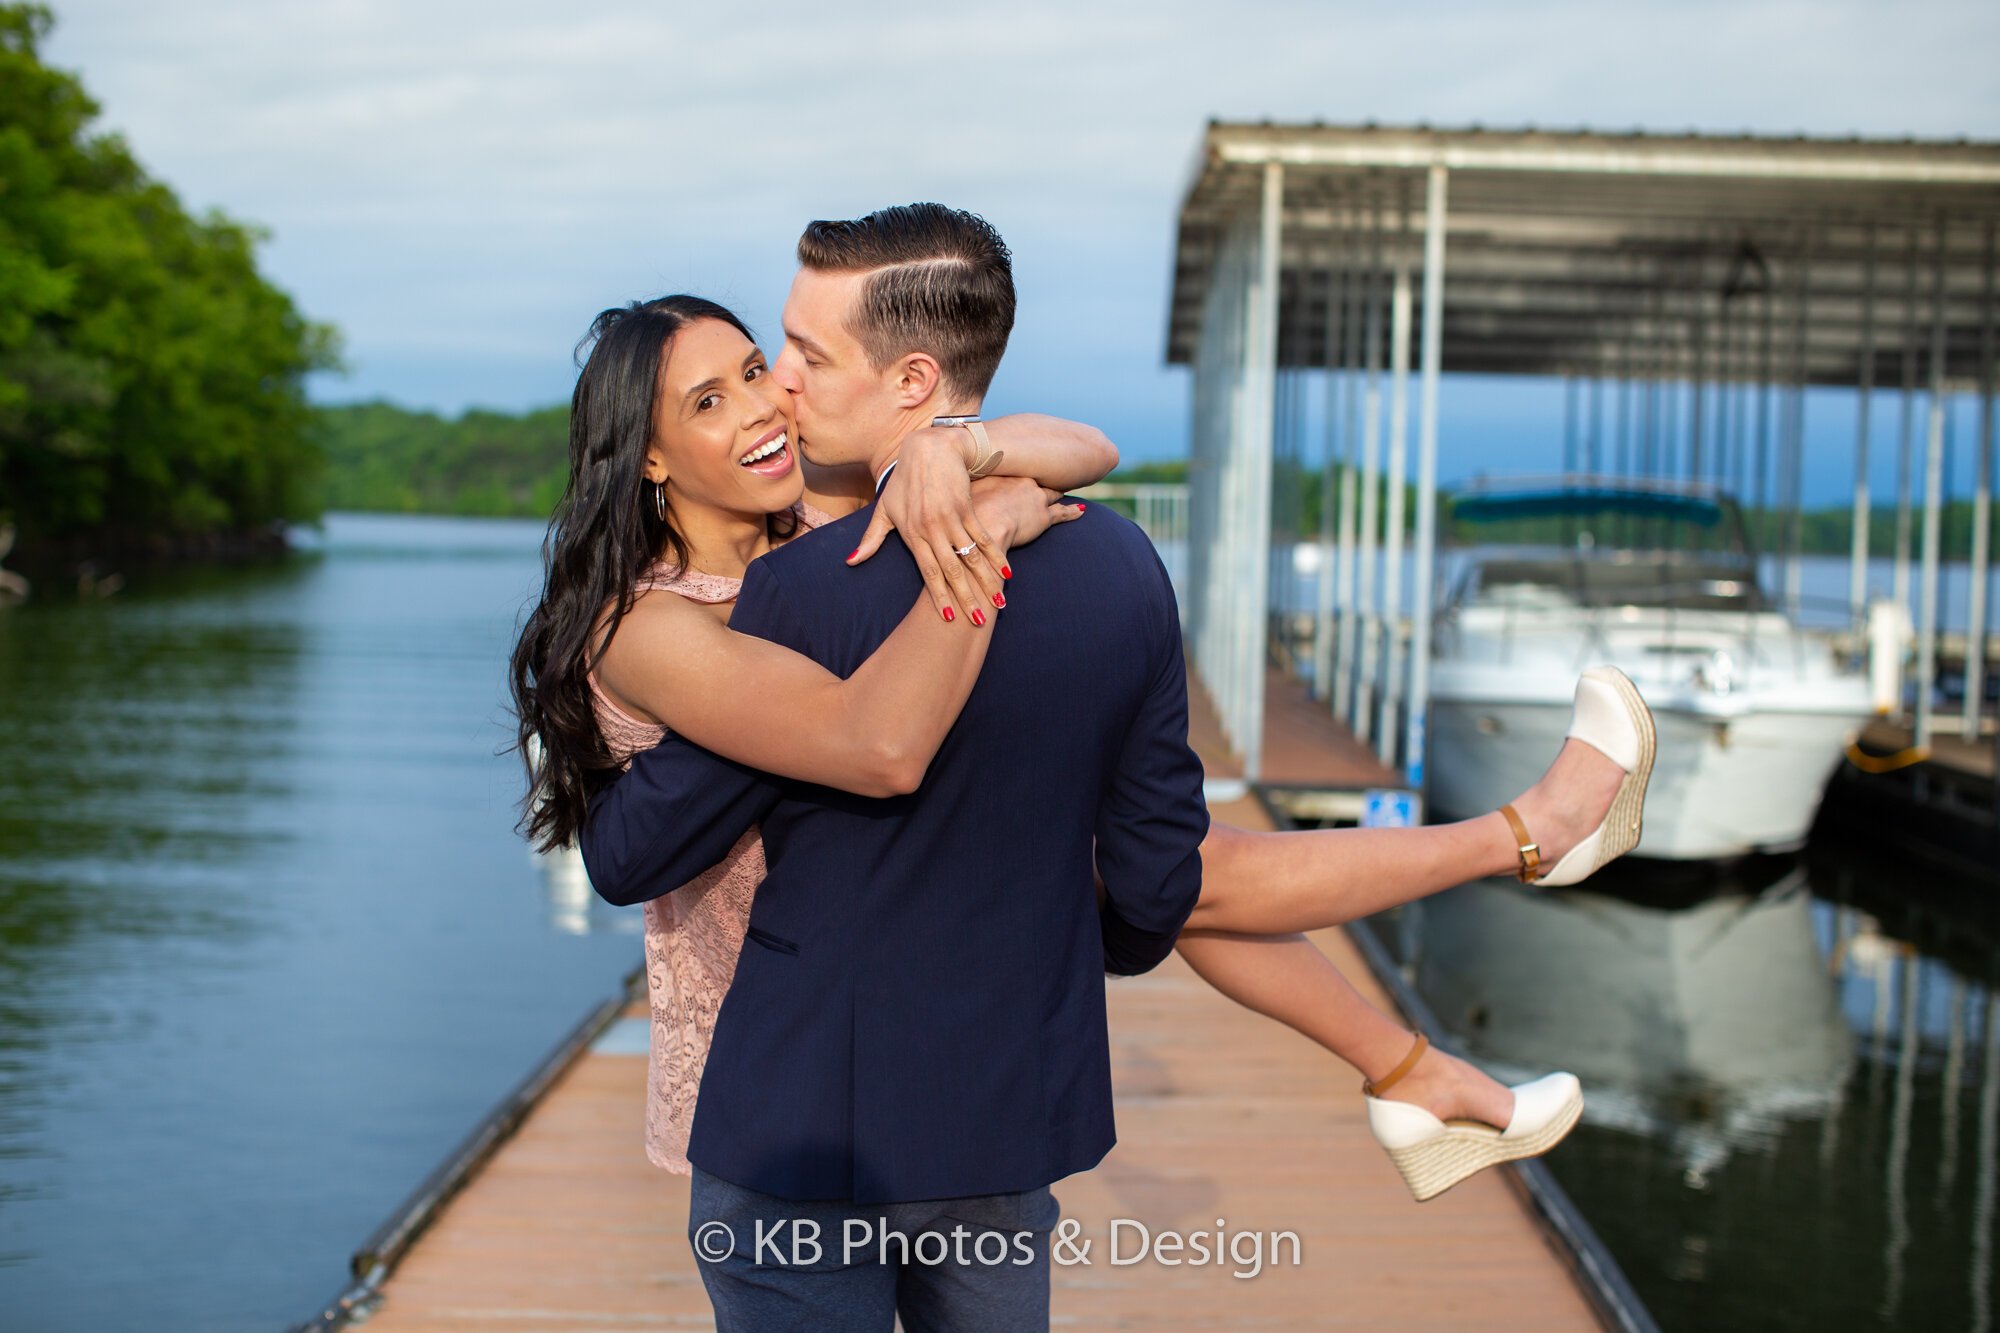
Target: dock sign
1388,807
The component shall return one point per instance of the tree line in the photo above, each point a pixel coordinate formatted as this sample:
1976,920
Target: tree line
1297,491
390,459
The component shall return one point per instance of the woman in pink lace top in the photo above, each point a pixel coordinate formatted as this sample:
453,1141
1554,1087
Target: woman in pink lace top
693,934
683,470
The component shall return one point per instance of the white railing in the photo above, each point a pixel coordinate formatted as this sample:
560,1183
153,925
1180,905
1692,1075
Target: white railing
1160,508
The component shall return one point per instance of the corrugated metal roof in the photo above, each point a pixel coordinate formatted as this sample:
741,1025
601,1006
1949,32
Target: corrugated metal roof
1616,254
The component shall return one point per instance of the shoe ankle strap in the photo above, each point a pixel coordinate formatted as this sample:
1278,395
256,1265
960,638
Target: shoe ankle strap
1531,851
1374,1089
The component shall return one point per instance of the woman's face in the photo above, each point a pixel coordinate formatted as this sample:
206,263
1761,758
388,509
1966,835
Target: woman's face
722,428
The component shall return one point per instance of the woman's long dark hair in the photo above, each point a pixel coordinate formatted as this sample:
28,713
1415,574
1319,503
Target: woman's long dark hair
605,531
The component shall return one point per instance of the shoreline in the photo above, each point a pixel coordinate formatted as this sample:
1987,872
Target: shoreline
93,560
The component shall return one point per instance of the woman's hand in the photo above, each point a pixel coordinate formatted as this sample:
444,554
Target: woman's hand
1019,509
928,499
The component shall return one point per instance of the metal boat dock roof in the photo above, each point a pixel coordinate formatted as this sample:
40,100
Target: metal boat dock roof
1578,252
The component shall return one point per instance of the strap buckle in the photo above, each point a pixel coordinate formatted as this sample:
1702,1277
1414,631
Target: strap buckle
1531,851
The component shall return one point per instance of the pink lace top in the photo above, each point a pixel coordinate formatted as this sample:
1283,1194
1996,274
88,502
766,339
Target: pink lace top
693,934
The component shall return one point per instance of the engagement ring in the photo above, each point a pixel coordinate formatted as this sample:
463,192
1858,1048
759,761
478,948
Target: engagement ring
965,550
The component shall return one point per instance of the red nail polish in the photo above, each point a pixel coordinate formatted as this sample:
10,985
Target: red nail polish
1006,573
856,551
978,616
947,613
1080,506
999,600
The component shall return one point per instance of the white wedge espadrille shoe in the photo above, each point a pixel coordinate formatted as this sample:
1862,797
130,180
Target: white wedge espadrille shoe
1435,1154
1610,716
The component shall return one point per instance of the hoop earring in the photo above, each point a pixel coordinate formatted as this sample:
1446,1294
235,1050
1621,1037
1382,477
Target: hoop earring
660,500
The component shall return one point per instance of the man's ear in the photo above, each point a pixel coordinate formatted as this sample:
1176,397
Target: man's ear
916,379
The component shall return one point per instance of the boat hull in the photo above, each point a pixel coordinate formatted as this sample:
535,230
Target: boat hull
1722,786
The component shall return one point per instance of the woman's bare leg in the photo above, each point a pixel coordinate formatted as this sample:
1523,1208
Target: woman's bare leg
1260,889
1277,883
1287,978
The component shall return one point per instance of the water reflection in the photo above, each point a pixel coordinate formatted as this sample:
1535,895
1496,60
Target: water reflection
135,737
1791,1073
268,942
574,907
1703,1026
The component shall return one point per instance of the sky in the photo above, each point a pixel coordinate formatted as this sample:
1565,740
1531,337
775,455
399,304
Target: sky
461,187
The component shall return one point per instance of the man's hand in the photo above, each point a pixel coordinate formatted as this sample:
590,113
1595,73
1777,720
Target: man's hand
928,499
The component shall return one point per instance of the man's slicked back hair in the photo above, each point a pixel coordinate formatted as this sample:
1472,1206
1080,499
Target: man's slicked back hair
940,281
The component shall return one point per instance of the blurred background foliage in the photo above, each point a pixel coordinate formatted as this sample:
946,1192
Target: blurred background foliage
387,458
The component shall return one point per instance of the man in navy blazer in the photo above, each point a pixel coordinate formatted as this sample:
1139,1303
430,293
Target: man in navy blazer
915,1038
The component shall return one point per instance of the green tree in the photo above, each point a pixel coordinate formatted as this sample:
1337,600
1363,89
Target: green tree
151,381
383,457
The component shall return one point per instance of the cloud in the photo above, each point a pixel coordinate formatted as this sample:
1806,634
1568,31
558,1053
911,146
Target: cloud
460,187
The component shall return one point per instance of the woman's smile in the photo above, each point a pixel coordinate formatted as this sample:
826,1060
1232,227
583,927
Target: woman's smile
771,456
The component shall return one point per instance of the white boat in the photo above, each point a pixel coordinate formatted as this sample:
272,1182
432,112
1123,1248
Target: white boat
1753,712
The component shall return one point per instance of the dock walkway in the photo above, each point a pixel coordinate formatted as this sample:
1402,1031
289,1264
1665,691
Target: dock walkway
1944,807
1221,1115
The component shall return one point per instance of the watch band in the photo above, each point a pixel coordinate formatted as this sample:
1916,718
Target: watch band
985,457
988,457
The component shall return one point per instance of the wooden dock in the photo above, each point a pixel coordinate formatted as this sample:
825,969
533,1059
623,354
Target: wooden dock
1944,808
1221,1115
1303,745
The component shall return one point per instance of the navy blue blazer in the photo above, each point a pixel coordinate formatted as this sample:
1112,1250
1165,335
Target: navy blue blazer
918,1012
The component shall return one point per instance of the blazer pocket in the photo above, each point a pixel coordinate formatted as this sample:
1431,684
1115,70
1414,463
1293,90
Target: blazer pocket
770,941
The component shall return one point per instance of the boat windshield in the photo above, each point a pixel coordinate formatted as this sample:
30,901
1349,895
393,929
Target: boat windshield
1581,541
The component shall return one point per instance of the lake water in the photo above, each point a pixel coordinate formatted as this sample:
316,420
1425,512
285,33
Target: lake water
268,946
1791,1075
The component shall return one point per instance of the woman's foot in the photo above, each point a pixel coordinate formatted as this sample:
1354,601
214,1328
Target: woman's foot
1609,747
1451,1089
1569,801
1434,1148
